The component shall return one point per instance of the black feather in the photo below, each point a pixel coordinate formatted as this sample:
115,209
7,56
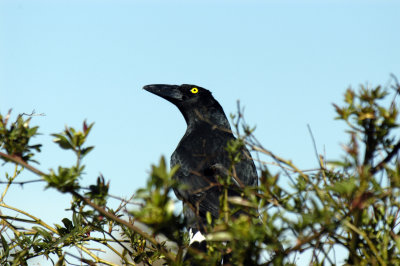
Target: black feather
201,153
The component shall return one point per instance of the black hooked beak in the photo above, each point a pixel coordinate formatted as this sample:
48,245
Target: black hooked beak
168,92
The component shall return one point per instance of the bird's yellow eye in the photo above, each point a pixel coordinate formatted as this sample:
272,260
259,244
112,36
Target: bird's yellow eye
194,90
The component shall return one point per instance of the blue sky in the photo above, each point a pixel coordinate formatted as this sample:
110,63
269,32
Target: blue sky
286,61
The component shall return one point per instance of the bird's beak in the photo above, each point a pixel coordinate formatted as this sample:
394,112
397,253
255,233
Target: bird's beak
168,92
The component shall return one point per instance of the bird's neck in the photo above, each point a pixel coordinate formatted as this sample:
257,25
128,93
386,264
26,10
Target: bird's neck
213,118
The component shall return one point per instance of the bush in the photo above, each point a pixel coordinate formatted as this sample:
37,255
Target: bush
350,204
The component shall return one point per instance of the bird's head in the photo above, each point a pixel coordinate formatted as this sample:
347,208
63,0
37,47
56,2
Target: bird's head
181,95
194,102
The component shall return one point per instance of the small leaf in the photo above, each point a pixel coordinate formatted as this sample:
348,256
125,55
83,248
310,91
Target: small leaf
241,202
209,218
364,116
349,96
62,141
5,245
42,232
219,236
85,151
344,187
397,239
68,224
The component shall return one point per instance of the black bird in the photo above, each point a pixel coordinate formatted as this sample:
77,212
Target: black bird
202,154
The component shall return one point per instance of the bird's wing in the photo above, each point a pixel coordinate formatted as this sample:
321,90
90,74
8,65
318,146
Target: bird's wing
198,189
203,157
246,169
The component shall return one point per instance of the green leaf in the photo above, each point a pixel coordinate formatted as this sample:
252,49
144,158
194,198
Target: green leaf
344,187
397,240
68,224
241,202
219,236
5,245
43,232
349,96
62,141
85,151
208,217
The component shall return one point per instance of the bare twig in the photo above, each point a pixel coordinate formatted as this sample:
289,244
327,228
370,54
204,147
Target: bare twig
23,182
33,113
315,145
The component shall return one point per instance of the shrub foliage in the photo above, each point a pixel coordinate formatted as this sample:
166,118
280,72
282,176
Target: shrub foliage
346,211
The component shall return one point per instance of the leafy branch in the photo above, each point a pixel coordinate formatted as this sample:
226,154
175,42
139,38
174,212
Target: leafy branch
350,204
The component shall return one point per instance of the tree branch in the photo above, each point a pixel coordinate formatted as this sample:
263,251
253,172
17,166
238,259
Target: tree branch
390,155
170,257
18,160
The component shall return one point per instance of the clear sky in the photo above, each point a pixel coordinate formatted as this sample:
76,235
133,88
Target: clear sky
287,62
